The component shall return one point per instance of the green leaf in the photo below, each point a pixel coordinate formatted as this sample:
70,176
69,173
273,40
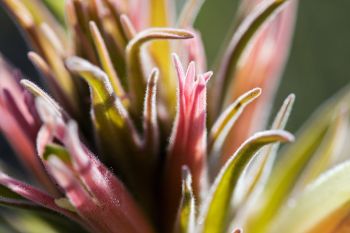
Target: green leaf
268,156
240,41
186,216
111,120
224,124
136,76
323,205
294,160
105,103
217,207
106,61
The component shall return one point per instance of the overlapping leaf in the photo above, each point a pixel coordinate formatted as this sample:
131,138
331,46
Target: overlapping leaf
217,208
294,160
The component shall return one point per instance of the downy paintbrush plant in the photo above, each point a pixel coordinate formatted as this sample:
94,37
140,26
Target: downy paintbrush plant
129,133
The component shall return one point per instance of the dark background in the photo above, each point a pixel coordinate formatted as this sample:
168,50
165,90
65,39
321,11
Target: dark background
319,59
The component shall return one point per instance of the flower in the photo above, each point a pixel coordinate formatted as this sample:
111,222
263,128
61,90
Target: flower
134,139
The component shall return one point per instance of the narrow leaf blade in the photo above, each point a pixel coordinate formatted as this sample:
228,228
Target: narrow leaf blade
217,210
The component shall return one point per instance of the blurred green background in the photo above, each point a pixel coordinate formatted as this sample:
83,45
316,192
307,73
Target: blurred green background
318,64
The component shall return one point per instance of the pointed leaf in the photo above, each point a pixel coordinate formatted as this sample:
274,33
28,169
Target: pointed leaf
269,154
33,16
111,120
217,206
38,92
240,41
187,212
104,101
127,26
106,61
34,195
150,122
224,123
136,77
50,79
118,8
294,160
259,173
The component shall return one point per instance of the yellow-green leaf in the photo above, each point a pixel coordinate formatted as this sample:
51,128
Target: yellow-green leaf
106,62
111,120
136,74
217,207
294,160
268,156
224,124
187,212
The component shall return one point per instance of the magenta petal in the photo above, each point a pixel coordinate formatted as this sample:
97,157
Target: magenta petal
98,196
35,195
104,186
188,138
19,123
